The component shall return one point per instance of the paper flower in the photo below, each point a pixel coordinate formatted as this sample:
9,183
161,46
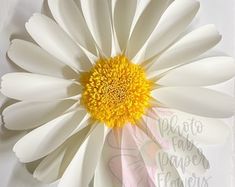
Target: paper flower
99,67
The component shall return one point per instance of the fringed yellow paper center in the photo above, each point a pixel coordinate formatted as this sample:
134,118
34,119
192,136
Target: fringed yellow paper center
116,91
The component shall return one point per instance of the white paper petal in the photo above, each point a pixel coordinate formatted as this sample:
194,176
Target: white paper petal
187,48
177,136
198,163
177,152
70,18
97,16
45,139
124,12
133,162
27,115
103,170
145,26
204,72
56,42
81,170
172,23
167,173
54,165
34,59
138,170
199,101
117,166
34,87
202,130
182,149
148,156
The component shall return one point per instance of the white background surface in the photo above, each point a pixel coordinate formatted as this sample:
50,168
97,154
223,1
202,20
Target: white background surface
13,15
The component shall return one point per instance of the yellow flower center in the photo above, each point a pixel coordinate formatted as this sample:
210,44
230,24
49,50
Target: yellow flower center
116,91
